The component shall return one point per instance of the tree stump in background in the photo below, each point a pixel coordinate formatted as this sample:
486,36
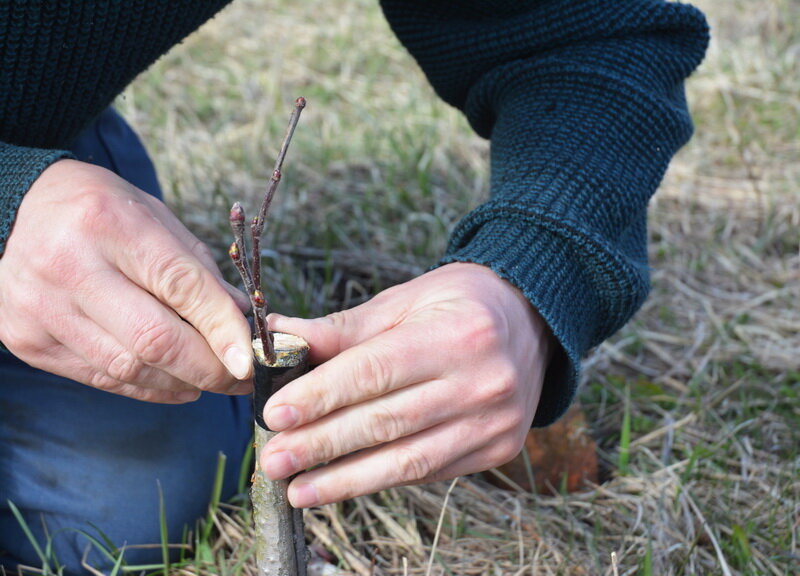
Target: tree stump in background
562,456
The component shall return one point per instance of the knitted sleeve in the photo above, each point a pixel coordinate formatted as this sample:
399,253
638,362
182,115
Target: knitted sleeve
61,63
584,104
19,167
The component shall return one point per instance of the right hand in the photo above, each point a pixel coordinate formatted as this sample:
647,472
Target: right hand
102,284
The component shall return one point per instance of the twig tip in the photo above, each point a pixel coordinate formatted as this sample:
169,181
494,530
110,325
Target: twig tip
237,213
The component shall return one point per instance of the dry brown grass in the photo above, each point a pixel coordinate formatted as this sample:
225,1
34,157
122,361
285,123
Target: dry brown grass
710,364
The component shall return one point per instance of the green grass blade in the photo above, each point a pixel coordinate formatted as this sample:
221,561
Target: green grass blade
46,569
245,471
216,494
647,563
103,545
162,514
625,436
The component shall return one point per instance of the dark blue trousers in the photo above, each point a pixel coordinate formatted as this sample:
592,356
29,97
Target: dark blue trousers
74,459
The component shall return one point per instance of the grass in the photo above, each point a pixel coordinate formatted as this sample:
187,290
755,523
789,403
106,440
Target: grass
695,404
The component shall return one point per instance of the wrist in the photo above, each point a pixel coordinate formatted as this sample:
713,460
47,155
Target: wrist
514,300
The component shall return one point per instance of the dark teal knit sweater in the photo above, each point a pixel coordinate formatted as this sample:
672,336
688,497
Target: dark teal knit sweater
582,99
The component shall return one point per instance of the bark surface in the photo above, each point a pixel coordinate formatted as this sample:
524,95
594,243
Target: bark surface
280,534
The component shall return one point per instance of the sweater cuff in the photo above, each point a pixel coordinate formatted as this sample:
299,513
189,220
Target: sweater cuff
19,168
544,265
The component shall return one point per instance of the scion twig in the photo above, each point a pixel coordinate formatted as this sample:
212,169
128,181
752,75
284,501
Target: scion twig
238,251
251,273
238,254
258,221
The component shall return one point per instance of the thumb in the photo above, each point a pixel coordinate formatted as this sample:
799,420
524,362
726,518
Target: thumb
330,335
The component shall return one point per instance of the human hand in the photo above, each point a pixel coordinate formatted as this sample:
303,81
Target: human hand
429,380
102,284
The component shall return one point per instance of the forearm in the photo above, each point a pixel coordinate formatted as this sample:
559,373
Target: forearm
583,102
60,66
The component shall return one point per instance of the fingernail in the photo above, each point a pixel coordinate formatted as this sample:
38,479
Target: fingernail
303,495
282,417
237,362
279,465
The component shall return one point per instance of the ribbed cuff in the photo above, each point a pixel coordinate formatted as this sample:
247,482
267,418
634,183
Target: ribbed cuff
19,168
548,270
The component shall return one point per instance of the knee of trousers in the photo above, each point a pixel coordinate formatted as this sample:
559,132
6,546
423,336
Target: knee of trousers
81,462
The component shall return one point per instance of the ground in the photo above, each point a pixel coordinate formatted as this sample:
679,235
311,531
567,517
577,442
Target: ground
695,404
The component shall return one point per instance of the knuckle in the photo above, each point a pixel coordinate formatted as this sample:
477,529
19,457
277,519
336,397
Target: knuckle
413,464
180,283
153,344
502,385
61,262
104,382
97,212
505,450
124,367
317,448
482,330
517,422
383,426
336,323
372,371
338,319
23,348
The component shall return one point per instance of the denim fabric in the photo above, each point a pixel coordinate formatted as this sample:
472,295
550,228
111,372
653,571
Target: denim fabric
77,459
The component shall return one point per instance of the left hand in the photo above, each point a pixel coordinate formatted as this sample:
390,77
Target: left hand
432,379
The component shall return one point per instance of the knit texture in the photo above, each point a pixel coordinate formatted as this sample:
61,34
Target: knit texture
582,99
62,63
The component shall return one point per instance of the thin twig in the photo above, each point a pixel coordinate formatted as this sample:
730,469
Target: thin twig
258,221
256,252
238,250
238,254
251,274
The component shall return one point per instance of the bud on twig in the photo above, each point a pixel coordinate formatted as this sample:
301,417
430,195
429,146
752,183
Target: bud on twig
251,274
237,214
258,298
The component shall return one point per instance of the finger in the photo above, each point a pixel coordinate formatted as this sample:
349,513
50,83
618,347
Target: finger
387,362
240,388
106,355
162,266
62,361
332,334
378,421
239,297
153,334
200,250
411,460
484,459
